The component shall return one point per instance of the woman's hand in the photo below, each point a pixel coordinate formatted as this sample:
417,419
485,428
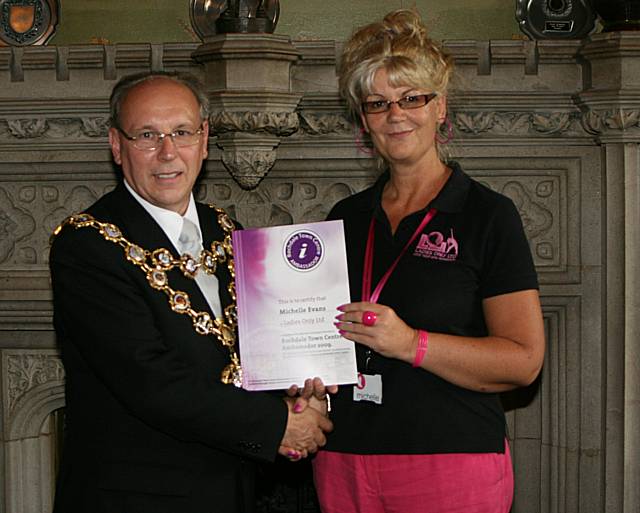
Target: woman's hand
385,333
313,394
510,356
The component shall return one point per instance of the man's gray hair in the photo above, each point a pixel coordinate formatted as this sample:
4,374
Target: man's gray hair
128,82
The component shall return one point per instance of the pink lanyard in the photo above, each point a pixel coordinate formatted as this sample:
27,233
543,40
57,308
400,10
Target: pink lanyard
368,259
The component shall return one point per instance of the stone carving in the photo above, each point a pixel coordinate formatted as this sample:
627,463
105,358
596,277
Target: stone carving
274,123
95,127
599,121
333,194
27,256
324,124
249,141
258,209
29,370
474,123
538,213
284,191
279,202
545,189
27,194
268,207
57,128
27,128
544,250
592,122
557,122
15,225
514,123
247,167
221,192
536,219
506,123
76,201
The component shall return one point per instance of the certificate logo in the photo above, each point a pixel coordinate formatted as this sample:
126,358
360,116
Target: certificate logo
303,250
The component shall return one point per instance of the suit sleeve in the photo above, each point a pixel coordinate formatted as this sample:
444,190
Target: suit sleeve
105,322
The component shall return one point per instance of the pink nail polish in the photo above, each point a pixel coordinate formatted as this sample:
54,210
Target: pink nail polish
297,408
293,454
342,332
341,308
340,317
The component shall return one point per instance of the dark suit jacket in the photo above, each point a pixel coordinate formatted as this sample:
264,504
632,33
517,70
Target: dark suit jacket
149,426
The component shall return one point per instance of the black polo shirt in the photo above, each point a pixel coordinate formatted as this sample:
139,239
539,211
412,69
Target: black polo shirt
472,249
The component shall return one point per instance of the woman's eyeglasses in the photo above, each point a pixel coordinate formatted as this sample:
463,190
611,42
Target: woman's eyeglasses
408,102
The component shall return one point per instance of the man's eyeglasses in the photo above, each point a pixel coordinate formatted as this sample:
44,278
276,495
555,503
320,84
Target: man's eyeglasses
414,101
150,140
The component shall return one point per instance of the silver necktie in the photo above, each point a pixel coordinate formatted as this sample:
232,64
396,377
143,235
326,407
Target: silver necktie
189,241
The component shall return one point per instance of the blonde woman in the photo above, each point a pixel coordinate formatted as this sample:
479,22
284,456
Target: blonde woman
446,312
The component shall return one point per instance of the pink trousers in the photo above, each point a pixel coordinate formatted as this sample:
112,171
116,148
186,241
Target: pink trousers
431,483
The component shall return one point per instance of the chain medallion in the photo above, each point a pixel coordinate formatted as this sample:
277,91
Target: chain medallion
155,265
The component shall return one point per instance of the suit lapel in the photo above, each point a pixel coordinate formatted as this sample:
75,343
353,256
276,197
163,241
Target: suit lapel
135,222
140,228
212,232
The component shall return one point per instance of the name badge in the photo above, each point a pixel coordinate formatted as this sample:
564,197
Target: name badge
369,388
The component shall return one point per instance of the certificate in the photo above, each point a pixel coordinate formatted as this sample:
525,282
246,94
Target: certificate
289,282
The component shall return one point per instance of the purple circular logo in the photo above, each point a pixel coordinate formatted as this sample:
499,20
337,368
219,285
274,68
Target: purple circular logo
303,250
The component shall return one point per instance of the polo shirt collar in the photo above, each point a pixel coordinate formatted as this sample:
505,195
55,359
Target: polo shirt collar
450,199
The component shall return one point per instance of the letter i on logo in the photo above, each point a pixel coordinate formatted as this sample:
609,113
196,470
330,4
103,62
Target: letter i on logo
303,250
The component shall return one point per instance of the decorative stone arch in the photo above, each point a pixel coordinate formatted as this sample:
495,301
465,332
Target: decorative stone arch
33,388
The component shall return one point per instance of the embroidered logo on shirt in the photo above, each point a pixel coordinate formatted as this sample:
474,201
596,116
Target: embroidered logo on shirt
435,247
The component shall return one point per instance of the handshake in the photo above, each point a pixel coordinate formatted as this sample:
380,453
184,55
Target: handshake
308,419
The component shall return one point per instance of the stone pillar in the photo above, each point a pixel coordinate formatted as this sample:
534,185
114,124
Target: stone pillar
611,112
253,106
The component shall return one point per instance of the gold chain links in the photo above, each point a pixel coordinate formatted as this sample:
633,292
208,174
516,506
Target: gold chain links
155,265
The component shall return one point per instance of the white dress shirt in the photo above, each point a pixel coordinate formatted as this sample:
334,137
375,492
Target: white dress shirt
171,224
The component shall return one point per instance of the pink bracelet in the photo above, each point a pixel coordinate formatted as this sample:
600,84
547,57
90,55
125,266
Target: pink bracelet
423,340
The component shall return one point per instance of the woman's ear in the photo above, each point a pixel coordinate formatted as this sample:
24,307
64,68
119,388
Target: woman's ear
441,108
363,120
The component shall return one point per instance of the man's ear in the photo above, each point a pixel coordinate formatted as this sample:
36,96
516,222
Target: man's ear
114,142
205,139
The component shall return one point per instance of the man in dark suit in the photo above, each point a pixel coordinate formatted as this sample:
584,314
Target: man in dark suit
150,425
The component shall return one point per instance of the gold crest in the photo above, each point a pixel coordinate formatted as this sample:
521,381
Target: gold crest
27,22
21,17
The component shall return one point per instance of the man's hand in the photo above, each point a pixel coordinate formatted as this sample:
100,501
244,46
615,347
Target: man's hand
305,432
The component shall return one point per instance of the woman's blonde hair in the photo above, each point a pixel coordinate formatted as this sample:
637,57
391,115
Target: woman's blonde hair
399,44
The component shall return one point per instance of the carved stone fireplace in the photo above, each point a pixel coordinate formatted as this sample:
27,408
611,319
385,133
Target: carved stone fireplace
554,125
